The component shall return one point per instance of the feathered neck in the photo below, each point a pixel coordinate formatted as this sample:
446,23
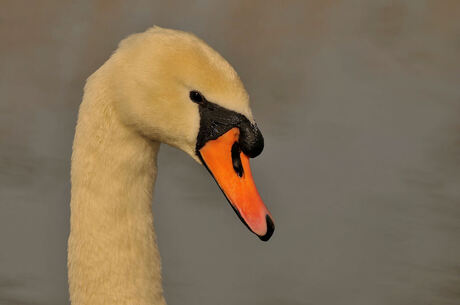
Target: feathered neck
112,253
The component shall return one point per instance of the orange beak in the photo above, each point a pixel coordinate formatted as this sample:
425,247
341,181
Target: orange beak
230,168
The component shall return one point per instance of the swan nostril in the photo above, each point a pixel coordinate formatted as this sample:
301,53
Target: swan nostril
236,160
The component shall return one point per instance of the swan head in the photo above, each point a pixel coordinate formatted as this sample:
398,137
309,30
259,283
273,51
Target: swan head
172,87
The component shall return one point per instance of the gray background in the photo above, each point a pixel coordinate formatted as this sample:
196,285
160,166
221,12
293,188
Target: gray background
359,103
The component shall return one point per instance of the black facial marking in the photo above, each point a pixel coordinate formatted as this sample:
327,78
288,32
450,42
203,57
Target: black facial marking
236,160
251,139
216,120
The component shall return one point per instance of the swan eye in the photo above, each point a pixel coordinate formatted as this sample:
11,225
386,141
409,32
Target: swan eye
197,97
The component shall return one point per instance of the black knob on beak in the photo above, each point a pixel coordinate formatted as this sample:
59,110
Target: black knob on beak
216,120
251,139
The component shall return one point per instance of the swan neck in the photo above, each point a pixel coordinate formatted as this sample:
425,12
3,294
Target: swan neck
112,252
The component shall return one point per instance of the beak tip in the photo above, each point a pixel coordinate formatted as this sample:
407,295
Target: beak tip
270,229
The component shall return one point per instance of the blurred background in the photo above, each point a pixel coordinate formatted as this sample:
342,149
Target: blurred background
359,103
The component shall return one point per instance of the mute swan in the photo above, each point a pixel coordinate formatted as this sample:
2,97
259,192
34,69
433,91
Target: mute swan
160,86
